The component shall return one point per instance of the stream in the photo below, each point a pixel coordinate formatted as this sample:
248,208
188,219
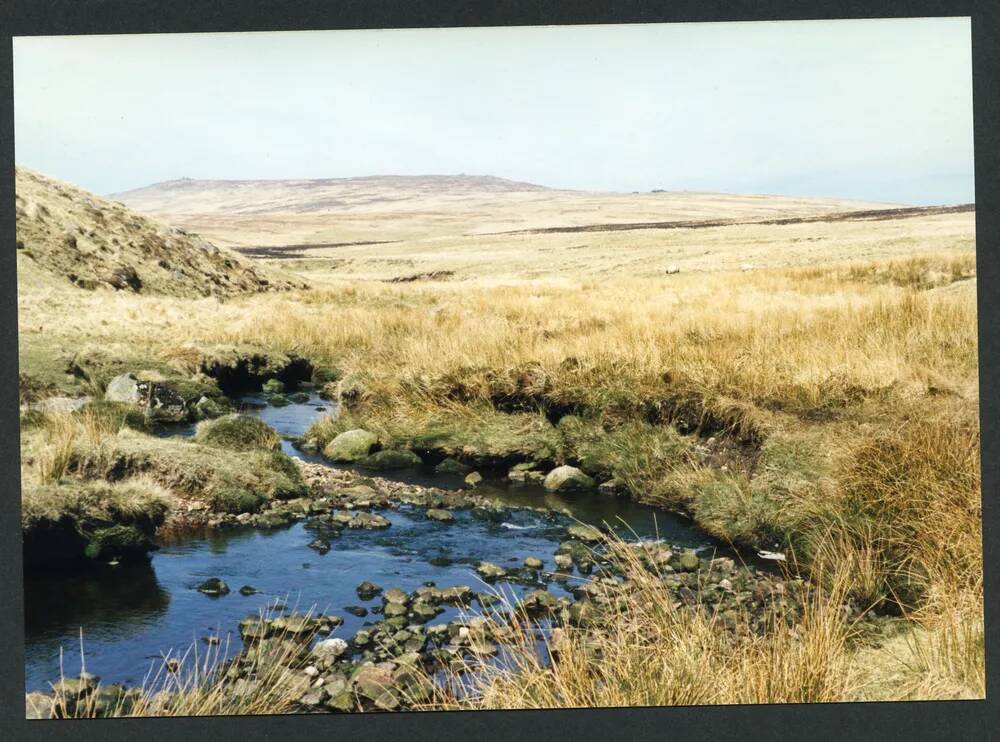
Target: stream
130,616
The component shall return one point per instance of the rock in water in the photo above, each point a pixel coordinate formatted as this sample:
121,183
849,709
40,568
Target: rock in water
441,516
350,446
568,479
451,466
213,586
581,532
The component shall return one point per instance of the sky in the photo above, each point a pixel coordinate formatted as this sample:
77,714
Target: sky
868,109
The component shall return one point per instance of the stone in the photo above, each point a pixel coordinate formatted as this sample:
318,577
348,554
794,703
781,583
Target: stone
367,590
441,516
395,595
423,611
390,459
248,590
356,610
533,563
610,487
490,572
672,269
473,479
320,544
459,594
124,388
350,446
330,649
213,586
392,610
254,628
568,479
563,562
369,522
451,466
342,702
294,624
371,680
206,409
537,602
39,706
585,533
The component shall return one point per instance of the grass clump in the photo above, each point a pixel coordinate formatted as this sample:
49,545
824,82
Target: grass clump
238,433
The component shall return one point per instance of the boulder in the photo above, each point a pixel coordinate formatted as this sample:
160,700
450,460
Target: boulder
390,459
350,446
533,563
124,388
473,478
568,479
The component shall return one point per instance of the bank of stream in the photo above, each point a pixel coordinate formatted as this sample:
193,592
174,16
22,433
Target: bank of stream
131,616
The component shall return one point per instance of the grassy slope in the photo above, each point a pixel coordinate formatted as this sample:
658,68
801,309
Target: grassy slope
95,243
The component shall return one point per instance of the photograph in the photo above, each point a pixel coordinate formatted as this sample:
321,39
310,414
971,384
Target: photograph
497,368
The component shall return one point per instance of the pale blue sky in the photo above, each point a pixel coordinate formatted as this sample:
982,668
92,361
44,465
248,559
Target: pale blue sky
877,109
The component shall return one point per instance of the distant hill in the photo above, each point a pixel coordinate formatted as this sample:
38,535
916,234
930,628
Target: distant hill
259,214
99,244
187,195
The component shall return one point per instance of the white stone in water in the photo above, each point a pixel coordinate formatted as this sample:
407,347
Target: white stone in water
463,633
319,682
311,671
330,648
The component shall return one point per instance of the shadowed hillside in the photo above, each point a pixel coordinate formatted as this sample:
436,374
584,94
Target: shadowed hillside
98,244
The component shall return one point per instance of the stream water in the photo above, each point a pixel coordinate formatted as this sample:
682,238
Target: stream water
130,616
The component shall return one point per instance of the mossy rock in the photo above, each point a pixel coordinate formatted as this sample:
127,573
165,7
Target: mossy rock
452,466
234,499
391,459
350,446
238,433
